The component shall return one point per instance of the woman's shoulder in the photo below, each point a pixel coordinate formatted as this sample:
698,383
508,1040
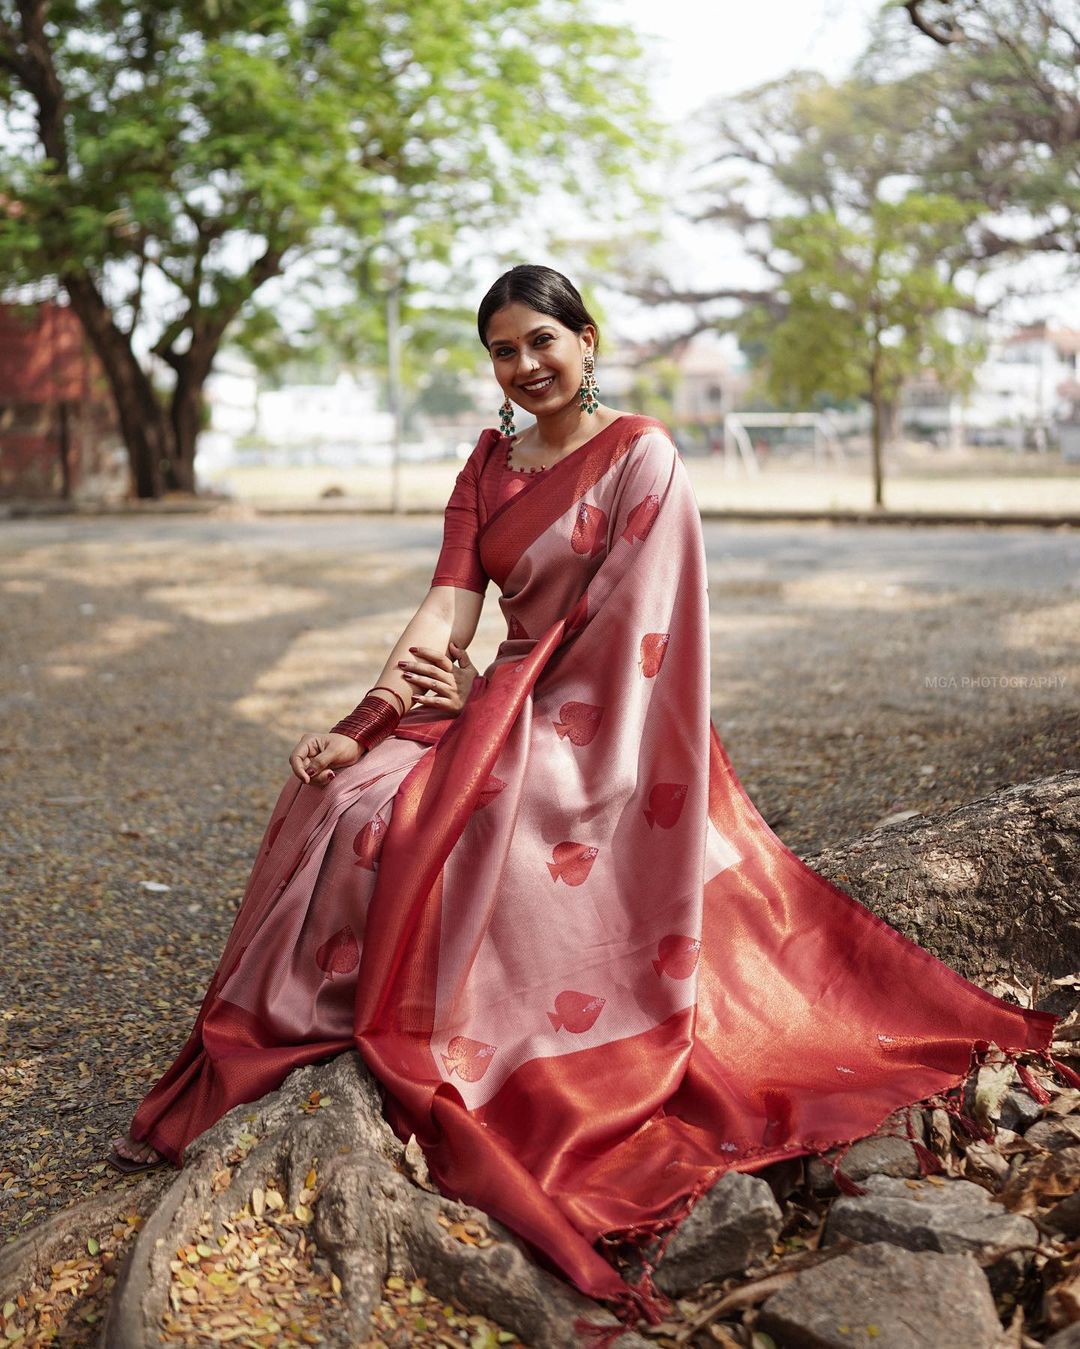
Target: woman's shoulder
650,438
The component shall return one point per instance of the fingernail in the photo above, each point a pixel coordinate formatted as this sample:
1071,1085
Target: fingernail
412,649
403,663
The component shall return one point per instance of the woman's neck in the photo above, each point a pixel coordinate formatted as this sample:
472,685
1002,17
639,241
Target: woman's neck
563,431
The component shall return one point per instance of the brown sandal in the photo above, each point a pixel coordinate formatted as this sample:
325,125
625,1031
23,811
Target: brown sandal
129,1166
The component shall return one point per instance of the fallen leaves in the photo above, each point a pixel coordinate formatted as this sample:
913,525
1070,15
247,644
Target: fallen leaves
410,1315
468,1233
67,1305
260,1280
314,1102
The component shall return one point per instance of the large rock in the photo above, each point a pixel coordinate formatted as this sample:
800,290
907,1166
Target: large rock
1019,1109
882,1297
953,1218
730,1226
878,1154
1069,1338
1055,1134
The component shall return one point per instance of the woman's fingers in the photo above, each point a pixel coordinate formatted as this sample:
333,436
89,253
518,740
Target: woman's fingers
427,653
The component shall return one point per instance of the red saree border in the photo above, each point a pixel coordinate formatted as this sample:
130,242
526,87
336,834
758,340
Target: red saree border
1040,1025
519,522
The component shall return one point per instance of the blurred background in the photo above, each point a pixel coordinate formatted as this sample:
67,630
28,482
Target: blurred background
832,243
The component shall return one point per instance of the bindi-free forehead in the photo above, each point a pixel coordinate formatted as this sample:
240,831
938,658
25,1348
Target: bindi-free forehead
518,323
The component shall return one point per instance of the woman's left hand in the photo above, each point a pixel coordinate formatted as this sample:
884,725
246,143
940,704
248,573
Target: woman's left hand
437,680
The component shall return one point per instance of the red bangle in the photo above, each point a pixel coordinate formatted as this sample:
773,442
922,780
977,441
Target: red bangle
370,722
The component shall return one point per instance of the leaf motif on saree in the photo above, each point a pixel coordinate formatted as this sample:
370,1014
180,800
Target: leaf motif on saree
339,954
578,722
576,1012
571,862
468,1058
369,841
489,791
665,804
676,956
515,630
590,530
642,518
653,649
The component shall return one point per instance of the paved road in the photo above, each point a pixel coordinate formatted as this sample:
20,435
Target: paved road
968,558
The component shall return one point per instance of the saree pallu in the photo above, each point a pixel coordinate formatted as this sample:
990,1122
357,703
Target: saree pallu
587,975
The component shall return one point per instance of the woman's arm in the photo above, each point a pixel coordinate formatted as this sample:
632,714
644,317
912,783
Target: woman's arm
446,614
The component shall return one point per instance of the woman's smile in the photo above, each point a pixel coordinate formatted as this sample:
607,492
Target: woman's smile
537,386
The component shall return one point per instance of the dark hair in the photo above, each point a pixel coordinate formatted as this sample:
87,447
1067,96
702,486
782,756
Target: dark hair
542,289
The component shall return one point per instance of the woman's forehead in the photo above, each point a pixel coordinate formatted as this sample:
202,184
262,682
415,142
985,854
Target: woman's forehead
516,321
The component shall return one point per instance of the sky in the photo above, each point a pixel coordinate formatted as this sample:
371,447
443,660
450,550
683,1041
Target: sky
700,53
710,51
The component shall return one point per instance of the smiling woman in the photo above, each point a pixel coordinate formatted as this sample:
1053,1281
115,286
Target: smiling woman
540,904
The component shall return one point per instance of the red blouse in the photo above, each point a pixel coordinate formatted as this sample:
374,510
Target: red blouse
480,489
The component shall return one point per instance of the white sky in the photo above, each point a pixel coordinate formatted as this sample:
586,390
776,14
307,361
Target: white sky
706,51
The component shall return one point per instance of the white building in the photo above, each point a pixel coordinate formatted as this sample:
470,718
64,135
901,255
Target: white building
1023,391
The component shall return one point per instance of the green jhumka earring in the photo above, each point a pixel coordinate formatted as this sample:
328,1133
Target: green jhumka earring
589,392
506,417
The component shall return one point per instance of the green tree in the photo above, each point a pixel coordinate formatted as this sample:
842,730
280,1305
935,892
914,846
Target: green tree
863,307
163,161
1004,86
858,265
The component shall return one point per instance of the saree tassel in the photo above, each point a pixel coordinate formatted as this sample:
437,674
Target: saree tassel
845,1184
1034,1087
641,1301
599,1337
1067,1073
929,1162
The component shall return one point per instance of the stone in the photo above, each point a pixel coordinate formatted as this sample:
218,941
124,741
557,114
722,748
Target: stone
1069,1338
1055,1134
879,1154
1019,1110
731,1225
883,1297
953,1218
1065,1217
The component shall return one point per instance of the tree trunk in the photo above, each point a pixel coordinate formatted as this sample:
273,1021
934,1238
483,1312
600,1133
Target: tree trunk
185,414
144,425
877,428
990,887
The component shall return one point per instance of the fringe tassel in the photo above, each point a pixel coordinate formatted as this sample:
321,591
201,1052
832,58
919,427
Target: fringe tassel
598,1337
1067,1073
929,1162
845,1184
641,1301
1034,1087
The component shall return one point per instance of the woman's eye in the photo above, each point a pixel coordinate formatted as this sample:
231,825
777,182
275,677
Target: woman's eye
544,337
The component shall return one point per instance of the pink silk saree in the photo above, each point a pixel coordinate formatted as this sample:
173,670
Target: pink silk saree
587,975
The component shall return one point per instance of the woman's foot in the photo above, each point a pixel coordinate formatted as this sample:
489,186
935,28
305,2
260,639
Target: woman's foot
130,1155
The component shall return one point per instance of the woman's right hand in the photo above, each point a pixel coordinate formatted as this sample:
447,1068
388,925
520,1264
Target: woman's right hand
318,754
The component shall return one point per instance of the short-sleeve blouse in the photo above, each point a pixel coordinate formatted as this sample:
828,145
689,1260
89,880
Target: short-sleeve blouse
481,487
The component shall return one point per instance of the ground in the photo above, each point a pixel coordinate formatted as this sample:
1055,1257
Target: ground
159,670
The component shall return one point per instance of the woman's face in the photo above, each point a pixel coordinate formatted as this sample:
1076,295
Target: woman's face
537,360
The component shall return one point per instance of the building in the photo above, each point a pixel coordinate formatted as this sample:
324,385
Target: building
58,433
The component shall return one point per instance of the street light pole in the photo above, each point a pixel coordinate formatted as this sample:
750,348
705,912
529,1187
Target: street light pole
393,383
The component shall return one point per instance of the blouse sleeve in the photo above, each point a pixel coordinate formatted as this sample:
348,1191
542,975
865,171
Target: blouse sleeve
459,561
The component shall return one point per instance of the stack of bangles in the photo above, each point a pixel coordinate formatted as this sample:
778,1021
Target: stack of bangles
372,720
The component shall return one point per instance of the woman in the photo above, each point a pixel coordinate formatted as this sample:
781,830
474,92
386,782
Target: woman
544,884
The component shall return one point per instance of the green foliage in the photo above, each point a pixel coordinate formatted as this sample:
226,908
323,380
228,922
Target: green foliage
193,140
863,261
864,303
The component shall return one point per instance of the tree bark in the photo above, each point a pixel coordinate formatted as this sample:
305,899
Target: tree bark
990,887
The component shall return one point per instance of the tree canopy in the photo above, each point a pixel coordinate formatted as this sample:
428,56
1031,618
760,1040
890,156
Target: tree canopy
163,161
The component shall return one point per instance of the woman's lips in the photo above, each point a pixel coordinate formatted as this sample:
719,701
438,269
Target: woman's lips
537,386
